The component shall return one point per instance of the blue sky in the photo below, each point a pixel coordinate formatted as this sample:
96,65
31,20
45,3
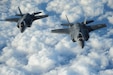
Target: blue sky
39,52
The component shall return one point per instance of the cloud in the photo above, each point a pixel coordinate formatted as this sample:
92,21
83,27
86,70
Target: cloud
106,72
108,16
110,3
110,19
5,70
39,52
80,8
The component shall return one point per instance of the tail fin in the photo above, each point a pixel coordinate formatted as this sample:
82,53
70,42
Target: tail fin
70,24
20,11
87,22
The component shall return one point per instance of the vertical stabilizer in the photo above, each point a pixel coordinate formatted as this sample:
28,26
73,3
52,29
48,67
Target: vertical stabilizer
70,24
20,11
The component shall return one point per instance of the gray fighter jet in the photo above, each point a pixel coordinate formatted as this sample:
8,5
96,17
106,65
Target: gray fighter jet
79,32
24,20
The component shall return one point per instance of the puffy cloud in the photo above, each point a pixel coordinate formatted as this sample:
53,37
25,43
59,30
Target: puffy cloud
108,16
37,51
106,72
5,70
39,62
80,8
110,3
110,19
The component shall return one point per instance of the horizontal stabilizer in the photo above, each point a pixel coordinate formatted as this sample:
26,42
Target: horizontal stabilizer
39,17
19,14
68,24
35,13
61,31
88,21
95,27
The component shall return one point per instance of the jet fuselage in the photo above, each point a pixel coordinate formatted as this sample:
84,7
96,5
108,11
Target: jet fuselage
25,21
79,33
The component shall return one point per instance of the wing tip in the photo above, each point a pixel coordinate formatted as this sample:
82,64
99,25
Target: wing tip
105,24
46,15
2,20
52,31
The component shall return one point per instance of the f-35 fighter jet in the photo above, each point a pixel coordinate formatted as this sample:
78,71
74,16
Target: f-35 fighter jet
24,20
79,32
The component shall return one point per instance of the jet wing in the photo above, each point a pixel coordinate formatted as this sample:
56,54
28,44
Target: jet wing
95,27
41,16
61,31
12,19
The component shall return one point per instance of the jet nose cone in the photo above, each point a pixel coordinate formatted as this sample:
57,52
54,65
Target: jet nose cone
81,43
22,29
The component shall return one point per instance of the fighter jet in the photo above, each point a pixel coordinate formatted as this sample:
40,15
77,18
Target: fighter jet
24,20
79,32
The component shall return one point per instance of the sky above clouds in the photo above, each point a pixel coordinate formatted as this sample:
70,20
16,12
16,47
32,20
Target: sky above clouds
39,52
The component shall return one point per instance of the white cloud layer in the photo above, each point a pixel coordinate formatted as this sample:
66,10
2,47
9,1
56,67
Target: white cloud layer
39,52
76,8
